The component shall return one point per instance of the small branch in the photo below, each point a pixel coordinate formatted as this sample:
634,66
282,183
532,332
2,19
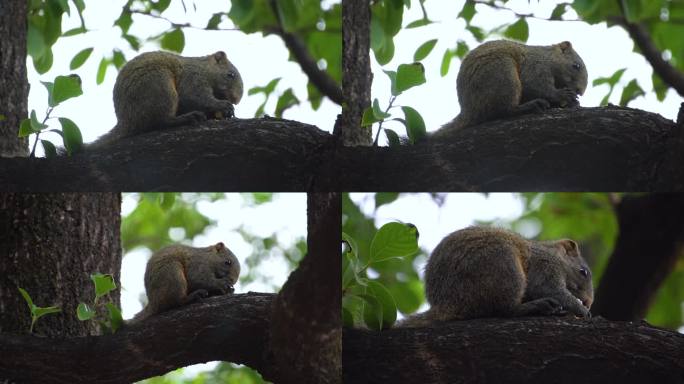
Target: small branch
668,73
520,15
228,328
323,82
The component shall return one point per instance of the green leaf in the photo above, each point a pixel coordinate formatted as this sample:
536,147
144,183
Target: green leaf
104,283
71,134
467,12
631,92
347,318
392,137
160,5
659,87
477,32
612,80
84,312
518,31
387,304
115,318
351,267
558,12
418,23
409,76
424,50
415,126
394,240
28,299
393,81
102,70
168,199
124,21
372,311
42,311
80,58
285,101
49,148
36,126
25,128
118,59
74,32
215,20
382,198
65,87
174,40
133,41
369,117
43,63
446,62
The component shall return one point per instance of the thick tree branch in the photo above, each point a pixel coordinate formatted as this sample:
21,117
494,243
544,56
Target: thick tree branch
598,149
229,328
356,73
524,350
306,313
650,242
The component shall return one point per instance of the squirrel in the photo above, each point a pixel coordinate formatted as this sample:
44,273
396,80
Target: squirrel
503,78
179,274
488,272
156,90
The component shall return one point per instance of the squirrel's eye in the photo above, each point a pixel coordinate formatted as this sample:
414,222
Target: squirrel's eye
577,66
227,262
231,74
584,272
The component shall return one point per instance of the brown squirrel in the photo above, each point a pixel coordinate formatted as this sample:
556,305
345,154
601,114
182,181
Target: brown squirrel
156,90
179,274
488,272
503,78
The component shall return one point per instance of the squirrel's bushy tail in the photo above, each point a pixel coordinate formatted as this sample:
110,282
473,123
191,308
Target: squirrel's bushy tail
142,315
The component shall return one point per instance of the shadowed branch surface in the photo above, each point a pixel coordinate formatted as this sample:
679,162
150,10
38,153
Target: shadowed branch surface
523,350
598,149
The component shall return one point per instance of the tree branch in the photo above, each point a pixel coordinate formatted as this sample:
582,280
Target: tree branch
523,350
598,149
650,242
321,79
306,313
668,73
229,328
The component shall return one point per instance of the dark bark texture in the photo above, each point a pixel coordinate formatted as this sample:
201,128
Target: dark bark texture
356,73
306,327
50,244
651,239
231,328
523,350
14,87
597,149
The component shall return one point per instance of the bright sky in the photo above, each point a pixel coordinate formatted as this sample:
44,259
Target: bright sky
603,51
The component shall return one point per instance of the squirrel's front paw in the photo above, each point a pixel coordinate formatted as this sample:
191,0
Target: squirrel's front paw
567,98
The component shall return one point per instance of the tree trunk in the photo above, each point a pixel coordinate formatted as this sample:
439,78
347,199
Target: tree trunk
521,350
356,73
50,244
14,87
306,333
651,239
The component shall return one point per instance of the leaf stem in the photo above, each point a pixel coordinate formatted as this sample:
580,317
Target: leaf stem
377,135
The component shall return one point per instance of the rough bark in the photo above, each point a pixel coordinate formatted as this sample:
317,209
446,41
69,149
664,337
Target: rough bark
14,87
524,350
597,149
231,328
50,244
356,73
651,239
306,327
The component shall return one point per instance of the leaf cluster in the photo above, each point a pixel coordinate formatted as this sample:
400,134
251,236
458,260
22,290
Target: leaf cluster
112,321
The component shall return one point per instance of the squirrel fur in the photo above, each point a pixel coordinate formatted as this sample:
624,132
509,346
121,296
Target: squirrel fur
503,78
490,272
156,90
179,274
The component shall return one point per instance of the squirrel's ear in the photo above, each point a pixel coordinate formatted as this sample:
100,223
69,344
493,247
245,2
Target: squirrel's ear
564,46
219,246
220,56
570,246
